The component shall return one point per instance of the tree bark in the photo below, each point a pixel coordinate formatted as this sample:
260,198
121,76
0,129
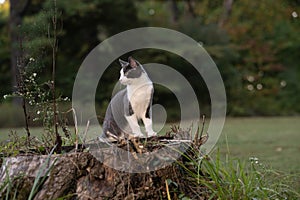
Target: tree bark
80,176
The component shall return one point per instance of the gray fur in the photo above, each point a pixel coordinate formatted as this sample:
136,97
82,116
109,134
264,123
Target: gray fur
115,122
135,73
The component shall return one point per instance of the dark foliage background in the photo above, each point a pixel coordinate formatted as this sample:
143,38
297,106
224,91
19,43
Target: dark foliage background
255,45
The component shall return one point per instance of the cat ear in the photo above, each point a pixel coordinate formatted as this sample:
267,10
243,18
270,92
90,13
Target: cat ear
133,62
123,63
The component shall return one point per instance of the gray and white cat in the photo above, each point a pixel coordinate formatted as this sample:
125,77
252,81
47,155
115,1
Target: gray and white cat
131,104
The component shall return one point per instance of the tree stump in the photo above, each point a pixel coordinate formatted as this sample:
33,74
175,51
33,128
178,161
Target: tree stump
82,176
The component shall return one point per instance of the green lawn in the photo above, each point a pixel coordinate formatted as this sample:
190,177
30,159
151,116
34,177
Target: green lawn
274,141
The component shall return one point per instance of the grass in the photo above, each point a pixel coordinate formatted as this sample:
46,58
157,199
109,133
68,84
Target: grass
236,180
274,168
275,141
10,192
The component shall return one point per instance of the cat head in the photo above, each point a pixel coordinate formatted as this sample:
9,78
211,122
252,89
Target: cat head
131,71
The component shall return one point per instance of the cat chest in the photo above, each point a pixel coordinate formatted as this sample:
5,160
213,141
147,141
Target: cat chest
140,100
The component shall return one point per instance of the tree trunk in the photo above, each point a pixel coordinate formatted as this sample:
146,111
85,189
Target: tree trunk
191,8
227,4
17,9
174,11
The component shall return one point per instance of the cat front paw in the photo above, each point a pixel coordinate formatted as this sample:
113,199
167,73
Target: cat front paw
151,134
139,135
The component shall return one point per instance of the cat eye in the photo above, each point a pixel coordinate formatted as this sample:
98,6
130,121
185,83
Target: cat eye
127,69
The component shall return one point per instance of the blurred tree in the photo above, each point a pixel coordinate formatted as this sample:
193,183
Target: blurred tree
17,11
5,78
175,11
255,45
227,4
193,22
191,9
83,25
254,29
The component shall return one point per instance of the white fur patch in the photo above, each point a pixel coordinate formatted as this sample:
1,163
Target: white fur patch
140,97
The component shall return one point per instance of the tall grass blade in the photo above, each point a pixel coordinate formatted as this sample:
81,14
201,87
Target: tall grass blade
40,178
